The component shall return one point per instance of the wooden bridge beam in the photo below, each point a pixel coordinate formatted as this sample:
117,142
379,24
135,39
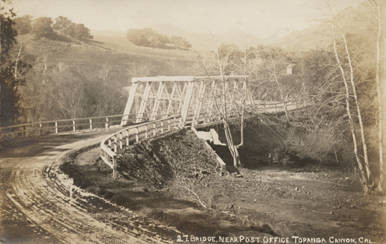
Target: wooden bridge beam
129,104
157,101
186,102
197,109
212,97
171,99
145,97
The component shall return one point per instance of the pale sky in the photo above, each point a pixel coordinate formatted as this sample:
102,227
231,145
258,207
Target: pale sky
261,18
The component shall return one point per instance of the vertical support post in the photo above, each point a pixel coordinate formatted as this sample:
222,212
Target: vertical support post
145,97
249,98
182,95
186,103
107,123
40,128
90,122
157,101
136,135
56,127
127,137
114,165
115,144
212,98
129,104
120,141
197,110
73,126
171,99
232,100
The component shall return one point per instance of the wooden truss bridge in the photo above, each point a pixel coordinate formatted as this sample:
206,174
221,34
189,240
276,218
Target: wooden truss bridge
196,99
158,106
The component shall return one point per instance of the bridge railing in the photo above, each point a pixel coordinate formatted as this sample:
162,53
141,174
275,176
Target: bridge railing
114,144
59,126
117,142
206,119
98,122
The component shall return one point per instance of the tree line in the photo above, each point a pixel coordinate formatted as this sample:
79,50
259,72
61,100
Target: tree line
61,28
148,37
342,86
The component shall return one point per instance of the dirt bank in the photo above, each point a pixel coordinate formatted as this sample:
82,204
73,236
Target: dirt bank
174,181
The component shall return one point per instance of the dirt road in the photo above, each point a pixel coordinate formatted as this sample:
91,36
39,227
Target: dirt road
37,206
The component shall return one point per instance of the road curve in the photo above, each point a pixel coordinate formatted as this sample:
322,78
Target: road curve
37,207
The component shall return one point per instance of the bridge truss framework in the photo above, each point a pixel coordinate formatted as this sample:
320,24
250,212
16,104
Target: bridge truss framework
197,99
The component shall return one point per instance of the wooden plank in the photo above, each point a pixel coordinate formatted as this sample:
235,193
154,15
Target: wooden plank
157,101
183,78
144,102
171,99
197,110
186,102
129,104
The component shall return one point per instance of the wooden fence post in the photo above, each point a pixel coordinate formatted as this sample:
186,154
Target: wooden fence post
114,166
56,127
136,135
127,137
90,121
120,141
73,126
107,123
115,144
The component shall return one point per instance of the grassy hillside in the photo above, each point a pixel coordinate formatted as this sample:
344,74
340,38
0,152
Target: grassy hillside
79,79
117,41
110,51
200,41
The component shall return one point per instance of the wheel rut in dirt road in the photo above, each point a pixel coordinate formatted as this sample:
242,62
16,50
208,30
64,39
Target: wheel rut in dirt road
37,207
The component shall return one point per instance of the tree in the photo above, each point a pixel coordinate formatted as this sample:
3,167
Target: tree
80,32
42,27
229,60
350,66
65,26
62,25
180,42
23,24
380,99
147,37
12,69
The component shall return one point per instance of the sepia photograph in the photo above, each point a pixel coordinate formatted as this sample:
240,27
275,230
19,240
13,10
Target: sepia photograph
192,121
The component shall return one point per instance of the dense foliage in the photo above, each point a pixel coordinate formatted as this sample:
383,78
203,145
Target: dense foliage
147,37
12,68
61,28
